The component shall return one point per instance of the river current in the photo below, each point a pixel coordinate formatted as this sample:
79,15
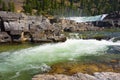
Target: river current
14,65
24,63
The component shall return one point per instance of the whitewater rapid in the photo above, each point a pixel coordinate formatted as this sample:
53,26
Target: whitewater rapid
88,18
34,57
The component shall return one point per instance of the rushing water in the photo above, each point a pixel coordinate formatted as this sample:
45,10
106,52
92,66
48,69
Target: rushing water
22,64
87,19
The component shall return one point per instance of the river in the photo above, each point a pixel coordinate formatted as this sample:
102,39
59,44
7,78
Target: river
22,64
23,61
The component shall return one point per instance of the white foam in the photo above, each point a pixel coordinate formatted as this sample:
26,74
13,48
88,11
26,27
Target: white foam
49,53
88,18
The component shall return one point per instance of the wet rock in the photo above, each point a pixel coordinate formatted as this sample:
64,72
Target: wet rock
115,39
111,20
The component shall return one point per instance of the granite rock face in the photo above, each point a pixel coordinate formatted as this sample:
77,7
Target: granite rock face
72,26
80,76
111,20
107,76
21,27
4,37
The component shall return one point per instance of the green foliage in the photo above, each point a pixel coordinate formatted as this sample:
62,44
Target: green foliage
11,6
0,2
57,7
94,7
4,6
28,8
71,3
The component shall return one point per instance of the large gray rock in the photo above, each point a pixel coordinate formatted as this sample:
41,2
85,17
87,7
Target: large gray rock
20,21
107,76
11,16
80,76
39,28
72,26
111,20
4,37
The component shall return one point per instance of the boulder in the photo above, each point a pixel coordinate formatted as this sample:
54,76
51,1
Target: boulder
4,37
79,76
38,27
107,76
10,16
111,20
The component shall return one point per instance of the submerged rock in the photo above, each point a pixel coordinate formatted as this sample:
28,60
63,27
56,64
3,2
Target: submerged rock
79,76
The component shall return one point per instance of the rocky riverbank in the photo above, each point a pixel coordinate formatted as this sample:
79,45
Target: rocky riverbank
90,70
18,27
80,76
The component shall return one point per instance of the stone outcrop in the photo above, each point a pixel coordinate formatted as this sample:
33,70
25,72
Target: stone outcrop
4,37
21,27
72,26
111,20
80,76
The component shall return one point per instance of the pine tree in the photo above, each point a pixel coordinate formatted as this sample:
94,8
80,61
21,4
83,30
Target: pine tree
91,7
0,2
4,7
38,7
28,8
71,4
11,6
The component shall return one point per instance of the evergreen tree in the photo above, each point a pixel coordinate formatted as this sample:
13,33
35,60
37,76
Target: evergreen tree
71,4
90,7
11,6
38,7
0,2
4,6
28,8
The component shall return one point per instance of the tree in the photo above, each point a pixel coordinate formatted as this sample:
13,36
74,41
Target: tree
11,6
0,2
28,8
71,4
4,7
89,7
